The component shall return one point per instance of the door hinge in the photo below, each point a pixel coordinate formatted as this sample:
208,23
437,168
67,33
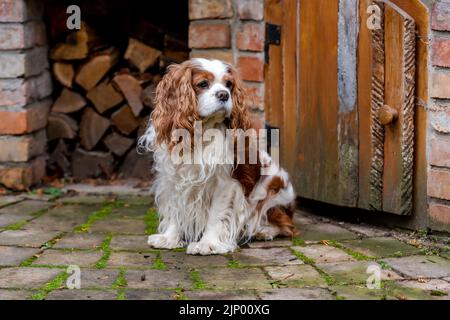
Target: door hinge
273,37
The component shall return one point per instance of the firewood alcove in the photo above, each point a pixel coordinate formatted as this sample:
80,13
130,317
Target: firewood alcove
104,79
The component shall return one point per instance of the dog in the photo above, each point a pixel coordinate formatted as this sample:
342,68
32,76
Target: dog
217,202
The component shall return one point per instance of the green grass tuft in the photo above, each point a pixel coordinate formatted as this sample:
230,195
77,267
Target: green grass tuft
93,217
101,264
296,241
151,221
121,281
357,255
195,277
28,262
438,293
56,283
328,279
120,295
234,264
16,226
158,264
304,258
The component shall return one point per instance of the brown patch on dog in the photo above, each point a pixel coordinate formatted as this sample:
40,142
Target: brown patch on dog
247,175
275,185
282,218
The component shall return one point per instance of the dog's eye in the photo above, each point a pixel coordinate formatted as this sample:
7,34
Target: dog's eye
229,84
203,84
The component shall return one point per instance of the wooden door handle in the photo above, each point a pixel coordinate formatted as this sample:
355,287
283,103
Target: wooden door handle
387,115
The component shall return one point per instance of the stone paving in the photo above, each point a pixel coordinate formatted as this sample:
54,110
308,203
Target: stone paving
105,236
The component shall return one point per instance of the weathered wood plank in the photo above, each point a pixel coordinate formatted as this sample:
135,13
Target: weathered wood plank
274,70
365,57
399,94
347,125
318,101
377,101
419,12
290,93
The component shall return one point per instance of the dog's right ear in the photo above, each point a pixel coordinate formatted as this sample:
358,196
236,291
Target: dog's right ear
175,103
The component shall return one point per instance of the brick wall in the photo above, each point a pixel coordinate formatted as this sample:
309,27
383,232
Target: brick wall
25,88
232,30
439,118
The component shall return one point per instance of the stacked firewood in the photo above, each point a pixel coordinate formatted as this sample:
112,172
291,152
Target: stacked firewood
103,101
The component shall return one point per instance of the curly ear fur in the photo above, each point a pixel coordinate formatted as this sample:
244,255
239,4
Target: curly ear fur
240,118
175,103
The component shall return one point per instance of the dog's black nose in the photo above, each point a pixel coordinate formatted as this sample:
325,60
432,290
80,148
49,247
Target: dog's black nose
222,95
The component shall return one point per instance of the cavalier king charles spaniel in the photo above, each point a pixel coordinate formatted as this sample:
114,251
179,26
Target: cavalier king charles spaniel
219,200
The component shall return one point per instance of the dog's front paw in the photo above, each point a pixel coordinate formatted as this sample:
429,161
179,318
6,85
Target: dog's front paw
267,233
161,241
206,248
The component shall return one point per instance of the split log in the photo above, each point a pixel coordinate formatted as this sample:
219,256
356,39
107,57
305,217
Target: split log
141,77
64,73
125,120
104,96
175,43
148,95
143,126
118,144
76,46
132,91
175,49
61,126
165,61
146,32
176,56
136,166
144,78
69,101
91,164
60,156
96,68
141,55
92,128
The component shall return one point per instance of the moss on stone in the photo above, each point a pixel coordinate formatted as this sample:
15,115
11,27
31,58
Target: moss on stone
151,221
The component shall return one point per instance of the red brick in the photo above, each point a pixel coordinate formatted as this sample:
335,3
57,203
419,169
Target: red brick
15,36
20,10
24,120
440,87
440,217
210,9
24,175
224,55
22,148
19,92
440,151
251,37
209,35
440,16
250,9
441,52
26,63
440,117
251,68
439,184
256,97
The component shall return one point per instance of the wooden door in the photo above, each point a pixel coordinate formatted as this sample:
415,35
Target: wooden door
351,74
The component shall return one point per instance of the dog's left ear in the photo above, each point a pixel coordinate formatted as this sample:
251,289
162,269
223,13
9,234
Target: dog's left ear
239,114
175,103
